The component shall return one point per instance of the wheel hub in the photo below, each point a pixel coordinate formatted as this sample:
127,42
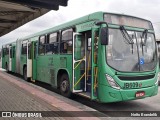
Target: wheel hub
64,85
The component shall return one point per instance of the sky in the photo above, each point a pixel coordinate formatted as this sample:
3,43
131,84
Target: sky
148,9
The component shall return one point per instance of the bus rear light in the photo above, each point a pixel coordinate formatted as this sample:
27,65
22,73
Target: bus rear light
112,82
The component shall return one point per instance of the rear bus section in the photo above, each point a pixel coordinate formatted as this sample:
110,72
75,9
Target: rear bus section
5,57
8,57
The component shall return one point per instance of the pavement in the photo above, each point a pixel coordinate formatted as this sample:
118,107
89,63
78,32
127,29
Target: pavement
14,98
19,95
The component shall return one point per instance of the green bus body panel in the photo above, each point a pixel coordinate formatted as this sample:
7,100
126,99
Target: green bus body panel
49,65
113,95
5,61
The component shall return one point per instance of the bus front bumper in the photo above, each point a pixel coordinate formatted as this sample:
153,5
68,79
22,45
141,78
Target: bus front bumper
109,94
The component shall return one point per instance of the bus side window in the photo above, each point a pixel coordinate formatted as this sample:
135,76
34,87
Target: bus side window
41,47
35,49
66,41
13,51
7,51
3,52
24,48
29,51
52,46
89,43
10,52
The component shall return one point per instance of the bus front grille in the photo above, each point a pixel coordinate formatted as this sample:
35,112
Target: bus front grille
136,77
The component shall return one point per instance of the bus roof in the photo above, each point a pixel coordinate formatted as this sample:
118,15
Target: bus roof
92,16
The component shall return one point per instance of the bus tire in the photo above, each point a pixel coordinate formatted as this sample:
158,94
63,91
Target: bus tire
65,86
25,74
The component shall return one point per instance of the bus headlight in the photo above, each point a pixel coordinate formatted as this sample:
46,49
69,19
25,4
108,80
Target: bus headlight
158,77
112,82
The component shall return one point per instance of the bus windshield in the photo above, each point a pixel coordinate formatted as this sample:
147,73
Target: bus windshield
123,55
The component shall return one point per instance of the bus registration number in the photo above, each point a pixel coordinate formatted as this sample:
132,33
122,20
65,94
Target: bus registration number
140,94
132,85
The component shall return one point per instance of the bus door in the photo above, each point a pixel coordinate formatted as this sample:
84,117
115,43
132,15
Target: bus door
29,59
85,71
79,63
94,63
13,58
10,58
34,60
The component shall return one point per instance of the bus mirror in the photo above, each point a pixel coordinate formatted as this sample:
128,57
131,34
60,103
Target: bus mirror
104,36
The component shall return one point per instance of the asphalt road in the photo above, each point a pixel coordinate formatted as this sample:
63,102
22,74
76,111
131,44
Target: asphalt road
146,104
120,108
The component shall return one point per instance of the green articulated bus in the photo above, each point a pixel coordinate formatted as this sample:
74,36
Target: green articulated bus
105,57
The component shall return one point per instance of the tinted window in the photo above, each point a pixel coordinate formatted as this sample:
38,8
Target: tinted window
42,40
7,51
52,46
24,48
66,41
10,52
52,38
35,49
67,35
41,47
13,51
29,51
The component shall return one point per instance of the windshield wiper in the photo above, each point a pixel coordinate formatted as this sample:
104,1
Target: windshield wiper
126,35
142,45
144,36
143,42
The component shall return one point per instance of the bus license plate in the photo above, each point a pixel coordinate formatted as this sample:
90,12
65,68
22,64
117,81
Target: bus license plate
140,94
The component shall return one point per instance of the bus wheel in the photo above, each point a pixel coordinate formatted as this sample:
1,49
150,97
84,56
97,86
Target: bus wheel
65,86
25,74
